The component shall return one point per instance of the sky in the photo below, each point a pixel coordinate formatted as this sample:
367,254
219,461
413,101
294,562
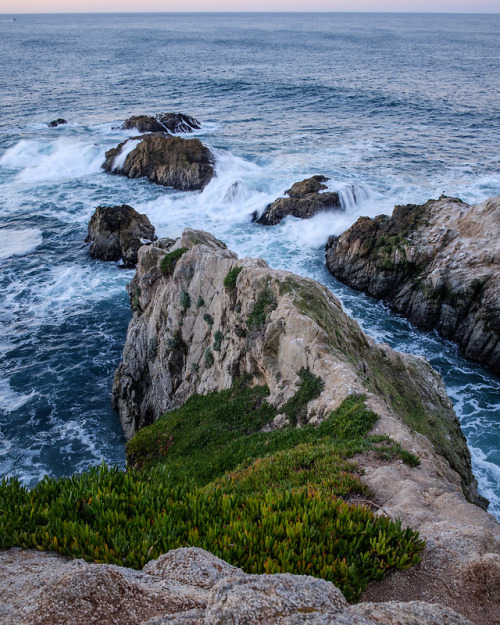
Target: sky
123,6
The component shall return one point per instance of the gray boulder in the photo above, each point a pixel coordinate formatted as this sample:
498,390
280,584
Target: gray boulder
117,232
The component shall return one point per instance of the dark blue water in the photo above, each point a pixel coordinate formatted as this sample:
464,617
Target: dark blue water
406,107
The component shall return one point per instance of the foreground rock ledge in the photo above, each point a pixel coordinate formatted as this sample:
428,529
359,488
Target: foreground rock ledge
184,164
188,586
438,264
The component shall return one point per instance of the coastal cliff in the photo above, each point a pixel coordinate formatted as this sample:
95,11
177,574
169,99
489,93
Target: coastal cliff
438,264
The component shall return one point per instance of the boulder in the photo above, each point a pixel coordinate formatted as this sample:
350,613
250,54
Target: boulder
188,586
172,123
304,201
57,122
184,164
117,233
437,263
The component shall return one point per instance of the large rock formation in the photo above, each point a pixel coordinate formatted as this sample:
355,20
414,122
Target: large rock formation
438,264
117,233
197,324
172,123
185,164
188,586
304,201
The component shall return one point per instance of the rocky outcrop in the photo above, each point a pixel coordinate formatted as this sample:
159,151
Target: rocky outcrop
184,164
438,264
172,123
117,233
188,586
198,324
305,200
57,122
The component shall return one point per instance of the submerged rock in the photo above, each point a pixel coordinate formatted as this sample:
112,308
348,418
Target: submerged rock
304,201
188,586
57,122
438,264
184,164
117,233
163,122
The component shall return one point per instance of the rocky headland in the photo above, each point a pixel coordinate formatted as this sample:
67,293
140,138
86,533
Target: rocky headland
184,164
170,123
437,263
305,199
117,232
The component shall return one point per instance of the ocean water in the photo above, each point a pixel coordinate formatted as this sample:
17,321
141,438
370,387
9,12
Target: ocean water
400,108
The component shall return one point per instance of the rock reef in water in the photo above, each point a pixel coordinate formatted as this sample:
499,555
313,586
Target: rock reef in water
172,123
57,122
188,586
184,164
438,264
117,232
304,201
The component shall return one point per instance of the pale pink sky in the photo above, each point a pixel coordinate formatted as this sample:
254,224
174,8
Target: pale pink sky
124,6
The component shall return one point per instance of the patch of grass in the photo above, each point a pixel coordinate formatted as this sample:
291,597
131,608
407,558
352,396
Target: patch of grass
310,388
265,304
168,262
231,277
185,299
267,502
218,336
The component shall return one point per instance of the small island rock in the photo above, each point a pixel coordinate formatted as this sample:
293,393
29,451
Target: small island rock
184,164
304,201
57,122
164,122
117,232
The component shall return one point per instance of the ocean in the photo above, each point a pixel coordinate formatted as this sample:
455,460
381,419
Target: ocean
399,108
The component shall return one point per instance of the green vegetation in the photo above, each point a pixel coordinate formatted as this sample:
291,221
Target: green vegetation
265,304
208,319
185,299
205,475
218,336
209,358
168,262
200,302
232,276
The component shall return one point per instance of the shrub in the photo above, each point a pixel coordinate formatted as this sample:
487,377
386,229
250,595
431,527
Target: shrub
217,340
209,358
185,299
231,277
168,262
265,304
200,302
208,319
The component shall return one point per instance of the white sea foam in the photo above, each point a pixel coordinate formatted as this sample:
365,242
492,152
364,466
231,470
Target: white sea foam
119,160
19,242
47,161
9,399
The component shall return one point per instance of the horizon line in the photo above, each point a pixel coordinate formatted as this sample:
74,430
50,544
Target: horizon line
252,12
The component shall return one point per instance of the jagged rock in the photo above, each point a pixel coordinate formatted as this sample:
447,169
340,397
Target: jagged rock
47,589
117,232
164,122
185,164
304,201
438,264
57,122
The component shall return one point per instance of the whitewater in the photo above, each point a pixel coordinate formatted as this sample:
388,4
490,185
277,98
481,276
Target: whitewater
386,106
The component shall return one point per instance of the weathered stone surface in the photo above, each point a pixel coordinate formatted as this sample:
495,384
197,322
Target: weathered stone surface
304,201
185,164
57,122
438,264
117,232
164,122
47,589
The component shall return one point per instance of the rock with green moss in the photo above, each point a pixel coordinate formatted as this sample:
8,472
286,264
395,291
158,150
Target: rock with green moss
438,264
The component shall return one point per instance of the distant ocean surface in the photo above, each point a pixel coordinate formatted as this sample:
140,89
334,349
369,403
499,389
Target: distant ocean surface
402,108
